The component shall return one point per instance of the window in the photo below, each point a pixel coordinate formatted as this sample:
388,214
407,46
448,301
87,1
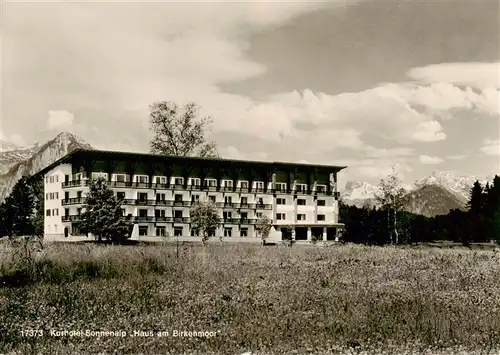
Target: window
143,213
51,179
320,188
194,181
260,201
161,232
227,214
47,213
47,196
244,184
179,181
178,214
280,186
228,232
227,183
159,213
301,202
228,200
210,182
160,180
212,198
66,195
66,211
96,176
301,217
78,176
120,195
78,211
120,177
244,215
211,232
46,179
160,197
194,232
178,197
57,180
280,216
321,203
244,200
178,232
321,217
142,196
143,179
281,201
143,230
244,232
57,195
79,194
259,214
195,198
301,188
56,212
259,185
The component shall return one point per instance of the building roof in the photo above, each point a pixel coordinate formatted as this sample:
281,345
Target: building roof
140,156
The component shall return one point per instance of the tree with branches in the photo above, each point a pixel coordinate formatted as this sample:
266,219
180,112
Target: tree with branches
102,214
263,227
391,199
204,218
178,131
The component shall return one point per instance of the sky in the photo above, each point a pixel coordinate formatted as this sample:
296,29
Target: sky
363,84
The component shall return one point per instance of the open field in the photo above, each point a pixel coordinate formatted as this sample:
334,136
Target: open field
269,300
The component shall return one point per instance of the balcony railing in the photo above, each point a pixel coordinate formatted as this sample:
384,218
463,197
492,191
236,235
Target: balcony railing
72,201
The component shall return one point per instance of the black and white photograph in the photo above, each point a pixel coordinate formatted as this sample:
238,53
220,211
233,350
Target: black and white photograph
250,177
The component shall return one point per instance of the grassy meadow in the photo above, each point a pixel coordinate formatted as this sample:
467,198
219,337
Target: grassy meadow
268,300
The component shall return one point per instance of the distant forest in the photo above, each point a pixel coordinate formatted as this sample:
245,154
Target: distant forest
479,224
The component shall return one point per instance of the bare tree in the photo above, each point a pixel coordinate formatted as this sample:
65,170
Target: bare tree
178,131
204,218
263,227
391,198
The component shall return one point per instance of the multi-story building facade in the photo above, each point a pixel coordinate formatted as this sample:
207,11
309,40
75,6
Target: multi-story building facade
158,191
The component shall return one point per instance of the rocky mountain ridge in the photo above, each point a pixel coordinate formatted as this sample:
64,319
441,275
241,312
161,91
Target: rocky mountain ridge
431,195
16,162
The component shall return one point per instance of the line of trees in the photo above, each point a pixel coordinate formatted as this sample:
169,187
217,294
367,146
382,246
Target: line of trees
389,224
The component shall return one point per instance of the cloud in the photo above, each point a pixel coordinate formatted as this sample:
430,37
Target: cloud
58,119
457,157
426,159
429,131
491,147
477,75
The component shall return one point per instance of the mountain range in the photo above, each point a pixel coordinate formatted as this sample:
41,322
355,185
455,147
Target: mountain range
16,161
432,195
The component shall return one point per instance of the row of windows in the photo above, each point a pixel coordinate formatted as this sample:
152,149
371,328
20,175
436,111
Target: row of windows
143,196
300,202
179,214
52,212
179,232
52,196
300,217
210,182
52,179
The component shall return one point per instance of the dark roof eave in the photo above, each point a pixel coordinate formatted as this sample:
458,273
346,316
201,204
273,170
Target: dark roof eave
68,157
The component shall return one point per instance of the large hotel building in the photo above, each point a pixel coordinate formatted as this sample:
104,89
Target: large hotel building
158,191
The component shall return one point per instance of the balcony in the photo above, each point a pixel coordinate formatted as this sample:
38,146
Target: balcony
75,183
73,201
141,202
181,219
181,203
71,218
